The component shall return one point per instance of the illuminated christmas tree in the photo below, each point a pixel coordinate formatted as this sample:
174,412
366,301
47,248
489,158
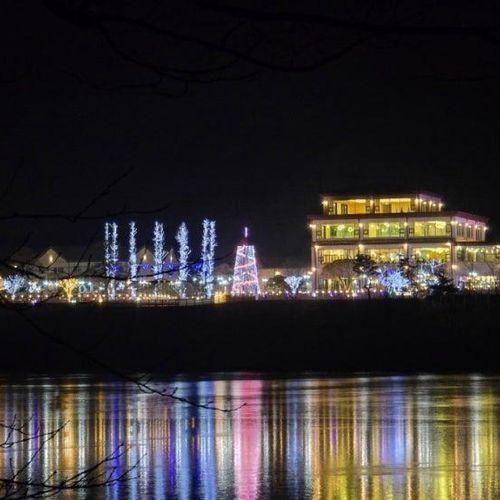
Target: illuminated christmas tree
245,275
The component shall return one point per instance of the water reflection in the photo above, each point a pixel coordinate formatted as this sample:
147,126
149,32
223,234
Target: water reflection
412,437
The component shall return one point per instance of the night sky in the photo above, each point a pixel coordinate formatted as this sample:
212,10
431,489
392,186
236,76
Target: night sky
389,116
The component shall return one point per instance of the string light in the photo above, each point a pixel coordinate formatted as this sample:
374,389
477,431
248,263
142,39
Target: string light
14,284
182,238
158,249
393,280
294,283
245,275
111,254
208,244
132,256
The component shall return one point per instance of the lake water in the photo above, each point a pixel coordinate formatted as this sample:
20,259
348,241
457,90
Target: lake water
422,437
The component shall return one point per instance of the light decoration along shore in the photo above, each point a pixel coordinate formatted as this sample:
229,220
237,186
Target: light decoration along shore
14,284
182,238
245,274
393,280
111,254
294,283
208,244
159,253
132,256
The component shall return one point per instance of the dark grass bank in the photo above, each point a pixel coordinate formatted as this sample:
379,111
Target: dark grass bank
460,334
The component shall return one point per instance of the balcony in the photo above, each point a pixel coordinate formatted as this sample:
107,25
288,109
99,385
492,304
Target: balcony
381,205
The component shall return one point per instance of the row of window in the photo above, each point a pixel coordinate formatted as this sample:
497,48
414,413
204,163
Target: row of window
478,254
419,229
383,230
377,206
329,255
467,231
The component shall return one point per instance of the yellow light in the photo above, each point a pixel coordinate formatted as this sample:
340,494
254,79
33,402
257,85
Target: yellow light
312,226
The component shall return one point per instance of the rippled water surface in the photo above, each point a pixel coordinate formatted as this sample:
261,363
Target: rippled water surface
360,437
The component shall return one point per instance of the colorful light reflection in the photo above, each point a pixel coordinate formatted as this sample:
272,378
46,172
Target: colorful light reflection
363,438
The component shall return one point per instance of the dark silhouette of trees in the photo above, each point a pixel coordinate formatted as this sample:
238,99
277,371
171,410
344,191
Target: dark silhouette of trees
342,274
366,269
22,481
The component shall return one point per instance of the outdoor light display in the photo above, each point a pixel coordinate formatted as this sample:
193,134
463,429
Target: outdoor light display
111,253
111,249
294,283
14,284
208,244
159,249
245,275
182,238
132,255
393,280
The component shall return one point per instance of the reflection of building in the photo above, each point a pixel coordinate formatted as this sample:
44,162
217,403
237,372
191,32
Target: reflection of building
389,227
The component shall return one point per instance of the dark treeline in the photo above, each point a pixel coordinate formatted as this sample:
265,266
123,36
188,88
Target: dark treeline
455,334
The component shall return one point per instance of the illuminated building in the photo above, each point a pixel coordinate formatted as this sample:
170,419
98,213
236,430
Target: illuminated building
389,227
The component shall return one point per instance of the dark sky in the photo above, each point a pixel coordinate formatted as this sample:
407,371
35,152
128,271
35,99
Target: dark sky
254,153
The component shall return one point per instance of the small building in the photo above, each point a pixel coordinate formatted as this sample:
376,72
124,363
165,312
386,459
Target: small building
389,227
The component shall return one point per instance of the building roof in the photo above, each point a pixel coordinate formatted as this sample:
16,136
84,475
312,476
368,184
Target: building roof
381,194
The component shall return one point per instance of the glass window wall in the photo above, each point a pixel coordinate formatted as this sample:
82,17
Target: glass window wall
339,231
328,255
441,254
385,229
424,229
385,254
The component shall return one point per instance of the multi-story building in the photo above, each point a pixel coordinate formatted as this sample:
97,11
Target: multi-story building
388,227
